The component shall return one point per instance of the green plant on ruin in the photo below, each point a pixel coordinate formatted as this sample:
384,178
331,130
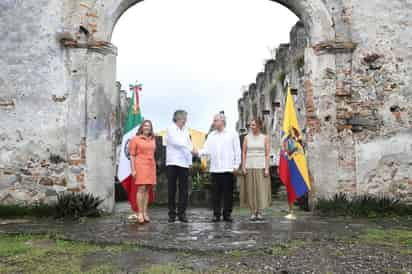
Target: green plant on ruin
200,179
362,206
77,205
300,61
281,76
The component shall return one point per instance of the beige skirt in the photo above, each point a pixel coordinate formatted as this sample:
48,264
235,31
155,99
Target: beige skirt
255,190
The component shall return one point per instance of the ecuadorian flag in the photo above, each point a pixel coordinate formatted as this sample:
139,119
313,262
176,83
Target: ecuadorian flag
293,169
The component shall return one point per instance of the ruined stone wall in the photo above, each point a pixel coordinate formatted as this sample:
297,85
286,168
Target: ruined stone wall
380,106
368,149
270,89
52,104
59,103
33,102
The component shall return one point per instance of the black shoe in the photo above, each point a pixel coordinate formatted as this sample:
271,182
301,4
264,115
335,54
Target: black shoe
171,219
183,219
228,219
216,219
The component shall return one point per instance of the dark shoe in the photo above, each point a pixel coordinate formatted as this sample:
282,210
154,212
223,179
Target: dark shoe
183,219
216,219
228,219
171,219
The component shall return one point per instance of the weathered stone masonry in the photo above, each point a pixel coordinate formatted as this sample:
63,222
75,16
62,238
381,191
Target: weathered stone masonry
59,101
373,133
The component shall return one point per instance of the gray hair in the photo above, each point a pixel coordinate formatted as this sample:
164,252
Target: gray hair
221,116
179,114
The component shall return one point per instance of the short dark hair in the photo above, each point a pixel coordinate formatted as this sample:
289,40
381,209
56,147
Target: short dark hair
178,113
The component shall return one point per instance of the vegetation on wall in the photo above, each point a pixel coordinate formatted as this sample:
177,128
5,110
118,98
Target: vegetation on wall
68,205
362,206
300,61
281,77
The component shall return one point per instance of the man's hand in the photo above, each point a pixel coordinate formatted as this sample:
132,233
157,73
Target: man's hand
266,174
235,171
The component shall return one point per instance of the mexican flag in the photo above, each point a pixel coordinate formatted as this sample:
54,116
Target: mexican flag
134,119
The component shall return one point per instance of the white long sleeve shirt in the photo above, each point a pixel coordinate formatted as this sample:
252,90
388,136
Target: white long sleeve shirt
178,147
223,149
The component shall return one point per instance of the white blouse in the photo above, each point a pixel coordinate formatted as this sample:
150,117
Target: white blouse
255,154
223,149
178,147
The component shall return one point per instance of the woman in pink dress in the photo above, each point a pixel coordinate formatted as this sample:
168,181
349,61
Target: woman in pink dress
142,153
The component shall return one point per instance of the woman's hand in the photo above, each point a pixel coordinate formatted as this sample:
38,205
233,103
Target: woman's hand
244,171
134,174
266,173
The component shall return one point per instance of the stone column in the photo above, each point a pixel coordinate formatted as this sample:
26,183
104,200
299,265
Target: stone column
76,66
101,100
322,152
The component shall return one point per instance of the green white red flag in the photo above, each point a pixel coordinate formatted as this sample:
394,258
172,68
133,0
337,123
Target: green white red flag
133,121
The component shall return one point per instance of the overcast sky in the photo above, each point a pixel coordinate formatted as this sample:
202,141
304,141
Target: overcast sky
197,54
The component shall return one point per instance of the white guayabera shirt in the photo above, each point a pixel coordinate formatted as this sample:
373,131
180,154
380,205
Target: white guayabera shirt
223,149
178,147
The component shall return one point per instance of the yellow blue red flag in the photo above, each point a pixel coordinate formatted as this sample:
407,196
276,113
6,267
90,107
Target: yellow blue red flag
293,169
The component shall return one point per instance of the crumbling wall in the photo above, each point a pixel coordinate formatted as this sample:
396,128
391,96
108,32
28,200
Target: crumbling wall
361,136
381,101
59,103
33,102
268,95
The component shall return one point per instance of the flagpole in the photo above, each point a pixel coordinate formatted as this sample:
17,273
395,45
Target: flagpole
291,215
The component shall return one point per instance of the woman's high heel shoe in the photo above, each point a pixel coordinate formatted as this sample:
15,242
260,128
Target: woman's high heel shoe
146,218
140,218
132,217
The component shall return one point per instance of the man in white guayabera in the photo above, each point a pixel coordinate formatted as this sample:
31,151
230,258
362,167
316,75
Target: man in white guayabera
179,150
223,149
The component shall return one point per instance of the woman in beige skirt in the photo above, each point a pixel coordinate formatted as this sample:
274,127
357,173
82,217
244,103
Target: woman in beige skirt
255,188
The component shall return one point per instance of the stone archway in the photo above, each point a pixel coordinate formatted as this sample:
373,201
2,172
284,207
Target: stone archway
94,60
314,14
58,102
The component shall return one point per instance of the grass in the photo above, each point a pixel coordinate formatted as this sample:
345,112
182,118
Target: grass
12,246
42,254
287,249
391,237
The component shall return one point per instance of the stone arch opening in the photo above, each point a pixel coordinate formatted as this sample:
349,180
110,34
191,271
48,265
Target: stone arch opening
320,92
122,39
314,14
59,75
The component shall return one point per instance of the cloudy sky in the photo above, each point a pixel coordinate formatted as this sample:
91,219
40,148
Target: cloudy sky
197,54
